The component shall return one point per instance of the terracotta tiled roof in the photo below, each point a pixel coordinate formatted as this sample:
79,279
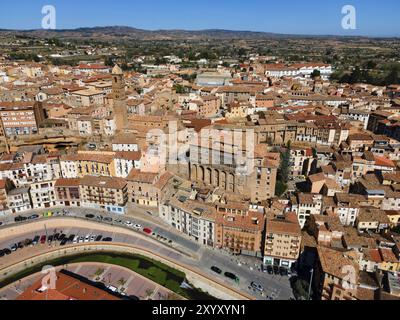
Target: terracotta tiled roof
67,288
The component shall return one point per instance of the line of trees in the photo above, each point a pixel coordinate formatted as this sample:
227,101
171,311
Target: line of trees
359,75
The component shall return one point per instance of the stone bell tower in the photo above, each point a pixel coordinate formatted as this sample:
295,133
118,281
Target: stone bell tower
119,98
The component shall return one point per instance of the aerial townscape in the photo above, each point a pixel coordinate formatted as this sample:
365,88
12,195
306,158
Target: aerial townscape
209,165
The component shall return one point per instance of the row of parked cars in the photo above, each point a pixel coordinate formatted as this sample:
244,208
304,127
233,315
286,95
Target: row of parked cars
128,224
228,275
60,238
255,286
91,238
22,218
275,270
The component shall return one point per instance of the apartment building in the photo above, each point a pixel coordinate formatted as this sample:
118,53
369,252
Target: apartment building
229,94
88,163
125,142
301,160
19,200
87,98
241,233
146,188
209,107
5,186
347,207
21,118
305,205
336,274
372,220
125,161
42,168
280,70
67,192
282,240
193,218
43,194
104,193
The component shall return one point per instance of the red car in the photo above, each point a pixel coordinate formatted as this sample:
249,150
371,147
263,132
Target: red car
43,240
147,230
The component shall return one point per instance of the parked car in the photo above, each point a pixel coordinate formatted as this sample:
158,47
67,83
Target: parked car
257,286
48,214
33,217
232,276
283,271
64,242
75,239
276,270
98,238
50,239
270,269
90,216
81,239
62,237
92,238
43,239
147,230
1,223
108,239
36,240
87,239
14,247
137,226
216,270
107,219
20,219
5,252
129,224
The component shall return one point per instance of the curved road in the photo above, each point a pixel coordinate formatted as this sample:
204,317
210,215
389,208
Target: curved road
204,258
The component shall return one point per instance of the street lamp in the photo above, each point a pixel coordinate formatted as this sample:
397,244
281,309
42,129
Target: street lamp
309,288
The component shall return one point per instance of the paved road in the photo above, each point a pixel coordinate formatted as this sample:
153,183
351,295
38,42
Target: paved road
245,268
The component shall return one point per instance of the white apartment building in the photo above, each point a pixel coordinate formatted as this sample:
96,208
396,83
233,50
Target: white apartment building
19,200
191,218
43,194
69,167
307,204
125,161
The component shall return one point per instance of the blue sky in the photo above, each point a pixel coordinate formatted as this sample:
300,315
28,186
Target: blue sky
374,17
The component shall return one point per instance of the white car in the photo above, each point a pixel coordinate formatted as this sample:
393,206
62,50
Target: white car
81,239
92,238
87,239
138,226
129,224
76,239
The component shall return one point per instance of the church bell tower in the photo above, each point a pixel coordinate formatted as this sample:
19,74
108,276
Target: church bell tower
119,98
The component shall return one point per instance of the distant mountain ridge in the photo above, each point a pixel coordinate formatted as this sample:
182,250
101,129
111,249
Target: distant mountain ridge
129,33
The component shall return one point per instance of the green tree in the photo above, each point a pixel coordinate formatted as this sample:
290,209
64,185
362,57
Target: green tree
316,73
284,169
300,289
392,77
180,89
